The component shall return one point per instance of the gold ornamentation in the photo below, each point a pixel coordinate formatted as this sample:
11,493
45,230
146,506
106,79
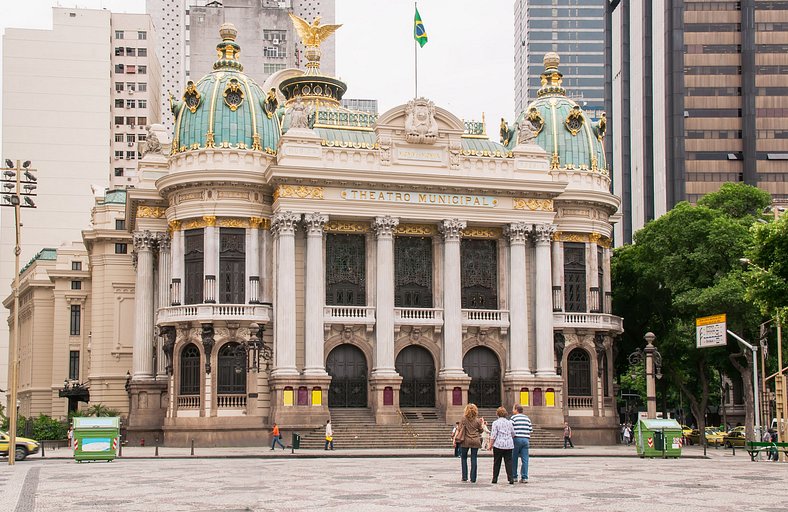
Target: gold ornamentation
537,121
416,230
561,236
312,34
174,225
233,222
191,97
233,94
555,162
604,242
346,226
151,212
210,220
259,223
533,204
486,233
299,191
256,142
574,121
209,142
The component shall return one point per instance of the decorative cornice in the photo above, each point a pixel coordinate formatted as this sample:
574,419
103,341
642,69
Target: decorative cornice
416,230
485,233
543,233
533,204
174,225
210,220
384,226
346,226
451,229
594,238
259,223
150,212
517,232
314,223
298,191
285,223
233,222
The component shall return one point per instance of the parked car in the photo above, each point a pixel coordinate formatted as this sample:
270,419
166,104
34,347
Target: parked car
734,438
740,428
686,431
24,446
713,436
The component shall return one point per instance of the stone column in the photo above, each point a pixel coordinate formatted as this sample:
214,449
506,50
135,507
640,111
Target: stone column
384,296
283,228
518,311
452,298
165,271
211,259
542,234
142,360
315,296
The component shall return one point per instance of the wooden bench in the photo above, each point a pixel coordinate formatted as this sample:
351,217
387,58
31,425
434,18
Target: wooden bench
756,447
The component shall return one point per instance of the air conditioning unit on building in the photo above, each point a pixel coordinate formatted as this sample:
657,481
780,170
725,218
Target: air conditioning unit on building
275,41
131,144
131,92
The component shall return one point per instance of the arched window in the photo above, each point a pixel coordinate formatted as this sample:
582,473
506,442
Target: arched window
232,370
190,370
579,373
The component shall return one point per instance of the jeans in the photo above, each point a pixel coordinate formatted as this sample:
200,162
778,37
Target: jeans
464,458
329,443
456,449
521,447
568,439
506,455
275,441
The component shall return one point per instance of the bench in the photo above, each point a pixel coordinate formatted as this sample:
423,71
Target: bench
756,447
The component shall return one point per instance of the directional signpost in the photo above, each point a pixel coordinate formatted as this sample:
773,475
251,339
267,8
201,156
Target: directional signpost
710,331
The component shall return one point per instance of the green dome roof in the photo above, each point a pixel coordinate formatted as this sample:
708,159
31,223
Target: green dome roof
226,108
562,129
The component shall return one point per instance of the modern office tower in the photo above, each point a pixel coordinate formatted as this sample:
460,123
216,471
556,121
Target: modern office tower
60,88
575,30
363,105
187,29
699,99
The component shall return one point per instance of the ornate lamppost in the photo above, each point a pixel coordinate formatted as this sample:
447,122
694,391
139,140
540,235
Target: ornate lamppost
18,188
653,360
252,354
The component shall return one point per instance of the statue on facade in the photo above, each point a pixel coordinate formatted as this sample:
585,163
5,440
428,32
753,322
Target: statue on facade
506,133
526,132
601,352
298,115
169,334
420,124
152,143
312,34
207,343
384,143
271,103
559,342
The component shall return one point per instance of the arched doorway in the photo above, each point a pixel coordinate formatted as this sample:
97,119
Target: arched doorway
348,369
481,365
417,369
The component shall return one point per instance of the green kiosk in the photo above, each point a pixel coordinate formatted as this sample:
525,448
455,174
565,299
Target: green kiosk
658,438
96,438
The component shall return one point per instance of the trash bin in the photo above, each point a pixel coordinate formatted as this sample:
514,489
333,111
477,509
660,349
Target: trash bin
96,438
658,438
296,441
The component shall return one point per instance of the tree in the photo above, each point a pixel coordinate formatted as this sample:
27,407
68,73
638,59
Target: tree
682,266
767,285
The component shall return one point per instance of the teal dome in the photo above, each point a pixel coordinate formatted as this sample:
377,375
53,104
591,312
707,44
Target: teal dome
226,108
562,128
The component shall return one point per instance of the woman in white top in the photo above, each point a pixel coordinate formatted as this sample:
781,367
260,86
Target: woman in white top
502,439
329,435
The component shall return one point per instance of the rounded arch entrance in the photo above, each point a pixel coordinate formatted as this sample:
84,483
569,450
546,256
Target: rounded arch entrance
417,369
348,369
482,366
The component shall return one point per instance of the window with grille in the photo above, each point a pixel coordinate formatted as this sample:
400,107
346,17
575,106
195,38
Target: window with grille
346,270
76,320
76,265
479,274
600,269
232,265
73,365
193,266
579,373
121,248
575,277
413,272
231,371
190,370
76,285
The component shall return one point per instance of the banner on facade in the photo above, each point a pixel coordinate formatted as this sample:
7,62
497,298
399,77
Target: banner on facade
710,331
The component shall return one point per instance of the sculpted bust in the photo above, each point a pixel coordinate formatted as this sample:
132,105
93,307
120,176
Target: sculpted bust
420,125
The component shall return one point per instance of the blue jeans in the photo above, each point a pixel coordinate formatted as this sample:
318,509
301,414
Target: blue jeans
521,447
275,441
464,458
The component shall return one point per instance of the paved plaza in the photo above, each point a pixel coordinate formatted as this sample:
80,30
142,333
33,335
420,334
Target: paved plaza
605,479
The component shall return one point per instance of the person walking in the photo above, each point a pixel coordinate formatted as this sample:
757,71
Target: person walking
454,442
568,435
502,439
276,437
469,437
627,434
329,435
522,443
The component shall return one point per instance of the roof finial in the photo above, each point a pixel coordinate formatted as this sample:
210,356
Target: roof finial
228,50
551,77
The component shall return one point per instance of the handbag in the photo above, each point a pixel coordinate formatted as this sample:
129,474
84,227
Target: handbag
459,437
329,438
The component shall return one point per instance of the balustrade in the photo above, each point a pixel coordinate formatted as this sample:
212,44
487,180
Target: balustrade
260,313
189,402
418,317
599,321
486,318
580,402
231,401
348,315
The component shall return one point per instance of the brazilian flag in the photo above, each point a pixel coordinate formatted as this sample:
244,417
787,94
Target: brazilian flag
419,33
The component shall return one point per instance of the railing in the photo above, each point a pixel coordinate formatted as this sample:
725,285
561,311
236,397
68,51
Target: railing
175,292
418,317
209,290
593,300
608,303
189,402
580,402
348,315
210,312
486,318
231,401
558,299
254,289
599,321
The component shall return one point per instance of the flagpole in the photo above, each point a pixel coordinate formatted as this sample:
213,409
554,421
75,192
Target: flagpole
416,60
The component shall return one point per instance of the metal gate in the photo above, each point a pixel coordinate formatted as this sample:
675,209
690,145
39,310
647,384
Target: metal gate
482,367
348,369
417,369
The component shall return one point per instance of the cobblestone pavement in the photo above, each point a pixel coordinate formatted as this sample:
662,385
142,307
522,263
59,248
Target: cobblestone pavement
222,483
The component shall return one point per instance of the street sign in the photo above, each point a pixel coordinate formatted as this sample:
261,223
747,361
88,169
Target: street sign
710,331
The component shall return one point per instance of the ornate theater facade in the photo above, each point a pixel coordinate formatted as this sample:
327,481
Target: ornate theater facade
292,256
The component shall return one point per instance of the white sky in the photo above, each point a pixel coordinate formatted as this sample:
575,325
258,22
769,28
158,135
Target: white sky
466,67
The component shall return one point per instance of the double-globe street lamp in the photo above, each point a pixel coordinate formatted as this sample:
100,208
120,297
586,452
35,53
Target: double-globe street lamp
653,360
17,188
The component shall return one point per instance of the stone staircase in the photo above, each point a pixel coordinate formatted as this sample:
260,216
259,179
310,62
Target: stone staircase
421,428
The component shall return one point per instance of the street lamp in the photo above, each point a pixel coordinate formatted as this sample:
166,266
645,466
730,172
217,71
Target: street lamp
653,360
251,354
17,186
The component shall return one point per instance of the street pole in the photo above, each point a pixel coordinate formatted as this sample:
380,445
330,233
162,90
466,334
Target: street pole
779,388
754,349
651,391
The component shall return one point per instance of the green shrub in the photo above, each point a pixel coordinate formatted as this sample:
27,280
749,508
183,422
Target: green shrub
45,427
